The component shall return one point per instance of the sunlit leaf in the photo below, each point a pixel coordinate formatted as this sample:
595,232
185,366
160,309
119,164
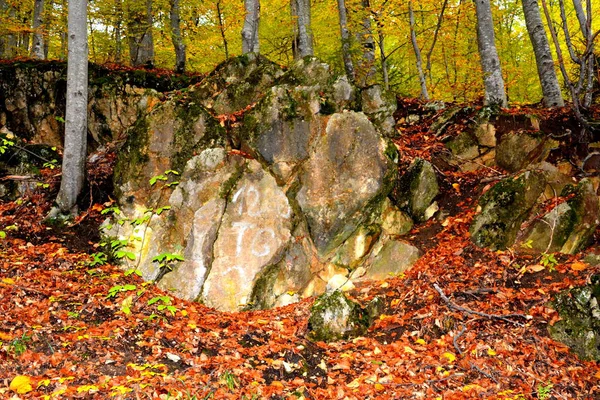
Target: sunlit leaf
21,384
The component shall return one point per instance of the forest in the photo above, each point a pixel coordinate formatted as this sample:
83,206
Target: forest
351,199
426,49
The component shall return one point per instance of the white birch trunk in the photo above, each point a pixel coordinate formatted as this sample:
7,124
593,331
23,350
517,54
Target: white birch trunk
141,42
495,92
365,66
177,37
413,39
345,35
303,40
543,56
250,43
37,48
73,165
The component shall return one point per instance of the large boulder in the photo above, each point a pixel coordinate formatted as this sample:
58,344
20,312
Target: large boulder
520,149
273,205
416,189
579,324
348,176
568,227
334,317
503,209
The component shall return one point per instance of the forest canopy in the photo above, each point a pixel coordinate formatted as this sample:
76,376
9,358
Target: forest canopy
443,32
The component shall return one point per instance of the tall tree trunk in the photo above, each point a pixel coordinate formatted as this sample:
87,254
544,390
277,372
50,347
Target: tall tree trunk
303,41
382,55
543,56
250,43
495,92
141,43
346,41
37,48
413,38
63,34
118,31
222,29
73,166
176,37
366,68
4,38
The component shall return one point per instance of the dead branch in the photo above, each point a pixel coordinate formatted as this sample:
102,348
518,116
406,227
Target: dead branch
456,307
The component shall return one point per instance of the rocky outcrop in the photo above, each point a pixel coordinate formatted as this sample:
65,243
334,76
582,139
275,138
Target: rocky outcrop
416,190
334,317
568,227
503,209
32,100
282,191
579,324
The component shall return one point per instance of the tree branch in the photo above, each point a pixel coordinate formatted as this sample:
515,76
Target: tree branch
456,307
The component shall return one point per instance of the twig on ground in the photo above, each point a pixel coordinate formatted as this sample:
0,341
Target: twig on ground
455,339
456,307
482,372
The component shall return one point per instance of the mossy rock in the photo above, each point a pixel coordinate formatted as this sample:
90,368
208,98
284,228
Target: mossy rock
416,190
335,317
579,326
504,208
568,227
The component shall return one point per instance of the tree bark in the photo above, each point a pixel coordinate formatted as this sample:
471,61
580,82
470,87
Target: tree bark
366,69
495,92
543,56
345,35
141,43
177,37
222,29
37,48
250,42
4,42
303,40
413,39
73,165
118,31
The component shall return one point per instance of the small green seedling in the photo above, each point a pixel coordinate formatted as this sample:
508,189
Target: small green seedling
549,261
166,304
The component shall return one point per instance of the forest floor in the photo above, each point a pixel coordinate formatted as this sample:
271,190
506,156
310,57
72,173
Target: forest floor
63,336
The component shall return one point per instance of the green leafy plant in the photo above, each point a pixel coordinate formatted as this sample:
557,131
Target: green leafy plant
165,304
113,291
162,177
50,164
98,258
229,380
543,391
548,261
165,263
5,144
118,251
19,345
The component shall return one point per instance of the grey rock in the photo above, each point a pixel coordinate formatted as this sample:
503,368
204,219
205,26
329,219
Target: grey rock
503,209
334,317
518,150
417,189
391,258
348,175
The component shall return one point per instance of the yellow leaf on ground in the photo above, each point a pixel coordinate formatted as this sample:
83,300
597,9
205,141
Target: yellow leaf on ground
420,341
379,386
578,266
468,388
21,384
8,281
491,352
354,384
409,350
449,356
